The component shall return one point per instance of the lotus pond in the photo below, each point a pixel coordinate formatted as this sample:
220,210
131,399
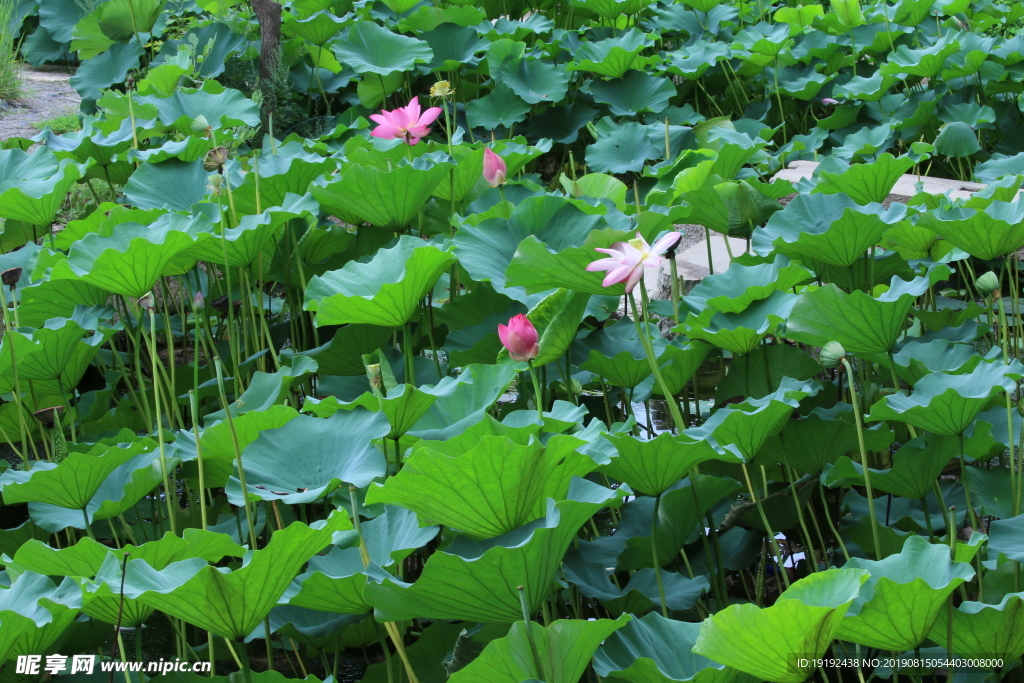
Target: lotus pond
349,340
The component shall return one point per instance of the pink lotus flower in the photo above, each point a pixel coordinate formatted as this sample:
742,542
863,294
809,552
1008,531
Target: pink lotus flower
829,101
627,260
405,122
494,168
520,338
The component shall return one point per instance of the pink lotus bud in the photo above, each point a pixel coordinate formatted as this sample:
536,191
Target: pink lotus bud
494,168
198,301
520,338
829,101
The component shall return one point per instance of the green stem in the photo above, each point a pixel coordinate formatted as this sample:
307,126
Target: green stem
673,405
528,625
170,494
863,458
654,555
238,452
538,395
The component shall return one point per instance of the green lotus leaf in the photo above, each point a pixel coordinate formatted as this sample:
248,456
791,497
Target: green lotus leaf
217,443
463,401
533,80
34,613
469,168
957,139
948,313
243,245
804,619
500,107
536,268
996,231
389,199
616,353
992,489
742,428
89,143
1004,538
454,46
334,582
947,404
858,321
33,186
613,57
915,466
402,407
372,49
832,229
88,38
221,107
900,601
231,604
763,370
627,149
50,353
732,290
128,262
216,41
611,9
866,183
486,250
657,650
266,389
680,363
315,628
683,508
171,184
916,360
640,593
70,484
279,175
315,467
740,332
479,581
985,630
59,18
110,68
651,467
564,649
635,92
343,354
317,28
384,291
692,62
925,62
488,490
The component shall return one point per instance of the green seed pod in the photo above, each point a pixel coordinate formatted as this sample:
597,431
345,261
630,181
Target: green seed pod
987,283
832,354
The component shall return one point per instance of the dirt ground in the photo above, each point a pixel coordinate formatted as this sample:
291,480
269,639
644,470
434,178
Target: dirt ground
48,93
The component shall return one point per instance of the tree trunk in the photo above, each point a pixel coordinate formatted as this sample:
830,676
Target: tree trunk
268,14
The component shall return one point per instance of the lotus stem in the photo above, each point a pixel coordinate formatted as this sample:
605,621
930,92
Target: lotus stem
22,426
654,555
767,526
410,369
169,493
238,451
538,394
538,663
863,458
967,485
193,403
673,405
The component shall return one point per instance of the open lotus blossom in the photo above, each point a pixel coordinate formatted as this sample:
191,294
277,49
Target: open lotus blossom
494,168
626,260
405,122
520,338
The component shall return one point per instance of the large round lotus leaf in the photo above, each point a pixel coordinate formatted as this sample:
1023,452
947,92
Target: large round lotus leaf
627,149
121,20
611,9
112,67
740,332
318,462
478,580
640,593
905,592
831,228
171,184
384,291
221,107
35,613
996,231
613,57
279,175
215,40
454,46
651,467
985,630
635,92
128,262
657,650
858,321
490,489
564,649
403,406
71,484
373,49
500,107
738,286
390,199
231,604
533,80
33,186
804,619
925,62
318,28
868,182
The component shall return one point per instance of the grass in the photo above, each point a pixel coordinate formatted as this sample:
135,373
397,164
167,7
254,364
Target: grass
60,124
10,76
